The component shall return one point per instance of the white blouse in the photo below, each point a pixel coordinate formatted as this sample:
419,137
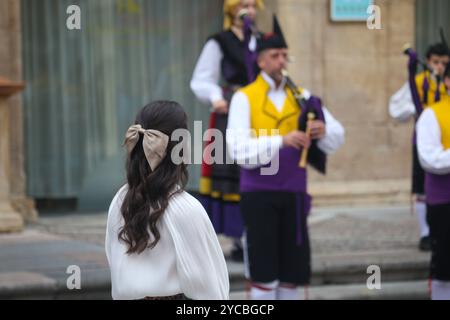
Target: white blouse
188,258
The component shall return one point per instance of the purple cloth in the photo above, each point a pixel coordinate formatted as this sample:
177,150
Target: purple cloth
414,137
437,94
437,188
425,88
216,215
225,216
214,210
316,157
249,56
290,176
412,69
314,104
206,202
233,225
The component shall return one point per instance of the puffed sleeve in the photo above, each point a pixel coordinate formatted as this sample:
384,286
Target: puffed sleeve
201,265
401,105
206,76
433,156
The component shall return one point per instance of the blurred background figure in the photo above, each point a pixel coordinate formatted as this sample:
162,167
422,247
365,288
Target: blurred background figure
433,144
226,63
420,91
270,114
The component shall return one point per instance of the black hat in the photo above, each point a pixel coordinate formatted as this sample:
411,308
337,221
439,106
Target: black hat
272,40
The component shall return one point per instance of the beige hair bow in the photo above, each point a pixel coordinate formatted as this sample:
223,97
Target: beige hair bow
155,144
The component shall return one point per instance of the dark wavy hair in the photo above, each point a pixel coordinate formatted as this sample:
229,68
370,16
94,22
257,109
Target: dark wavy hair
149,191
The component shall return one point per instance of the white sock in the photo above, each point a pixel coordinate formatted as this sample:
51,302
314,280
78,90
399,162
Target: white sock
440,290
421,211
288,293
263,291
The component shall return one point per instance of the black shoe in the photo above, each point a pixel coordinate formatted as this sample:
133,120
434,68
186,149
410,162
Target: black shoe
425,244
237,254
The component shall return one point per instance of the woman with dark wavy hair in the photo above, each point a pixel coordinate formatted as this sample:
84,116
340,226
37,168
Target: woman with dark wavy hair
160,243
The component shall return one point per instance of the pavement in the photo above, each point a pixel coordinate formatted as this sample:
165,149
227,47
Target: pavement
345,241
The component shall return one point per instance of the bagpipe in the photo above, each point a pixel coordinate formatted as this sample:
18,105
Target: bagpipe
413,64
311,109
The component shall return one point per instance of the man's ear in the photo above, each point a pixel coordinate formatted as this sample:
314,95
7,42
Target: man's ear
260,60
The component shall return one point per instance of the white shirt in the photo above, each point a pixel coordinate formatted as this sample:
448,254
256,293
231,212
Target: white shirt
188,258
206,76
251,152
401,105
432,155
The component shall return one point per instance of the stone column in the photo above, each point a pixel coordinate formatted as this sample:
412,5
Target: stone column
10,220
11,68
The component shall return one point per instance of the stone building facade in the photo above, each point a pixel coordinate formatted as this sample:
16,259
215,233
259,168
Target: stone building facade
355,70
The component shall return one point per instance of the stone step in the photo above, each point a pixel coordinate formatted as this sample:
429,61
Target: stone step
36,286
352,268
406,290
46,283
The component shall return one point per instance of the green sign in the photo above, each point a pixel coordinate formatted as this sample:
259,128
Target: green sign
349,10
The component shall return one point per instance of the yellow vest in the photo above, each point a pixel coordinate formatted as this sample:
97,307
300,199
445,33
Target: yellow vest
442,112
264,120
432,87
264,115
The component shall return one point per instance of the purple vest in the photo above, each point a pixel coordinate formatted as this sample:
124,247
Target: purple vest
437,188
290,177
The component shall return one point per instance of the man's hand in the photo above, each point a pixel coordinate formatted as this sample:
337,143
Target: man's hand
317,129
220,106
297,139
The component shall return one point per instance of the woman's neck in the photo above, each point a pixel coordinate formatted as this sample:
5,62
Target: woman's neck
238,32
